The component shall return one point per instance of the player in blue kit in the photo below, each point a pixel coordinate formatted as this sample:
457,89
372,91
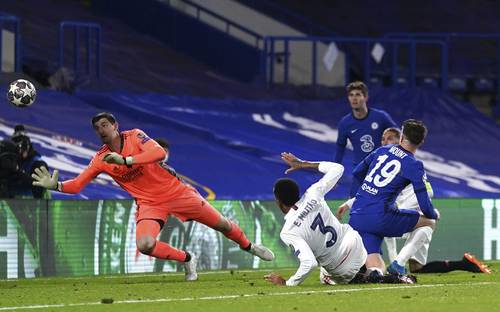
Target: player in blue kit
363,127
381,176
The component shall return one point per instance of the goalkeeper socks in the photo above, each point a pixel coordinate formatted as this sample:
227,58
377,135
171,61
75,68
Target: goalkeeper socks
165,251
188,257
237,236
151,228
417,239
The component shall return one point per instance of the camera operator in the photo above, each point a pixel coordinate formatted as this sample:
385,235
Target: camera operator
11,177
30,159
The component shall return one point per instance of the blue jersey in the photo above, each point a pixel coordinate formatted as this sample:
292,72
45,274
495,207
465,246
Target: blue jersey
383,174
365,134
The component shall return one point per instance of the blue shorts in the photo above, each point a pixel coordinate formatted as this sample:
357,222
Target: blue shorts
374,227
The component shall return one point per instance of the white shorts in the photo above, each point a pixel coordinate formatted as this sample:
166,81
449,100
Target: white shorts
344,272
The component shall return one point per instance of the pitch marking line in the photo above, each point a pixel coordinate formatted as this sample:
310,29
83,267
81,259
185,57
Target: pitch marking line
132,275
289,293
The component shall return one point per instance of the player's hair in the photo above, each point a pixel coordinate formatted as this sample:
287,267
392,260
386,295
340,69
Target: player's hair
162,142
357,85
395,131
414,131
286,191
108,116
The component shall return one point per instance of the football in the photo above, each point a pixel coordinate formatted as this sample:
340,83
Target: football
22,93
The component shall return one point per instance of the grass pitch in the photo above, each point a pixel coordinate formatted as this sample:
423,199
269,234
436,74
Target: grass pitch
247,291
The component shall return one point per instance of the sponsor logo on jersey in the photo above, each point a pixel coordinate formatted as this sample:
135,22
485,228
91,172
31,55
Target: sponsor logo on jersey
367,144
354,130
132,174
369,189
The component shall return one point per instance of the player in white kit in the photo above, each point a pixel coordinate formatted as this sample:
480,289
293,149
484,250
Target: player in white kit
316,237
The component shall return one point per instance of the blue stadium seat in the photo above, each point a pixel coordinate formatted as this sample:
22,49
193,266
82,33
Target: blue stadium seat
402,82
428,81
484,85
376,82
457,84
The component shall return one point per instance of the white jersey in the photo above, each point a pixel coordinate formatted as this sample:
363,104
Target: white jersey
408,200
312,231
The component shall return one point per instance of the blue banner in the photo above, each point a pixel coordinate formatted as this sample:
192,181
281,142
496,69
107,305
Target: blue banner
230,148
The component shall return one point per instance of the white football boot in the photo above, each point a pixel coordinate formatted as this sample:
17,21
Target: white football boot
262,252
190,269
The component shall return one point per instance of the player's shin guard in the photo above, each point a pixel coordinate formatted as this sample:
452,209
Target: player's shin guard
237,236
417,239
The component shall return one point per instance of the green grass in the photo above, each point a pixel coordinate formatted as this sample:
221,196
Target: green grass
247,291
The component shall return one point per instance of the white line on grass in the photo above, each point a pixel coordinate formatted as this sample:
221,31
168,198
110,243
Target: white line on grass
289,293
133,275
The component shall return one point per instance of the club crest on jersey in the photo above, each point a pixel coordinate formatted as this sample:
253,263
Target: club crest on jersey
367,144
144,138
374,125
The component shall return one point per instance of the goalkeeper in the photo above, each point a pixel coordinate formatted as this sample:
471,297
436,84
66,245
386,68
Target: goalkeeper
132,159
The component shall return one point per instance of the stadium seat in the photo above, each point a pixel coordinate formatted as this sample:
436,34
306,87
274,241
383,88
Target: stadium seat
484,85
457,84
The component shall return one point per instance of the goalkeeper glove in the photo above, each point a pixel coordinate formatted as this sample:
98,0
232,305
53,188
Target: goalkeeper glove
115,158
43,178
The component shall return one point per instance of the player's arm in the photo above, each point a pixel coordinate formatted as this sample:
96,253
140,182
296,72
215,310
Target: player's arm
341,144
344,207
150,152
418,180
359,172
332,172
306,257
43,178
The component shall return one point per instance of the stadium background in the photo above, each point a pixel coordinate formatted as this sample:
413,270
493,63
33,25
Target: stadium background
229,85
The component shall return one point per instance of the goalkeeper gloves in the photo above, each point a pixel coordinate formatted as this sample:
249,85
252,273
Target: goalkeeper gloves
115,158
43,178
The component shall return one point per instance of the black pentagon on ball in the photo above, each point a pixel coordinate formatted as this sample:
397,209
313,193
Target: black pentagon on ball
21,84
26,99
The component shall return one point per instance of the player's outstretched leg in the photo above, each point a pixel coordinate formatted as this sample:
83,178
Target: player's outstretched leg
468,263
232,231
209,216
146,233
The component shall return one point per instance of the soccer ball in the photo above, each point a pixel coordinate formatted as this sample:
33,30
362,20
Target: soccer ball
22,93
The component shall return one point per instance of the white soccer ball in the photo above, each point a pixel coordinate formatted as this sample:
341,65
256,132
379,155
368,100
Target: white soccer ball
22,93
